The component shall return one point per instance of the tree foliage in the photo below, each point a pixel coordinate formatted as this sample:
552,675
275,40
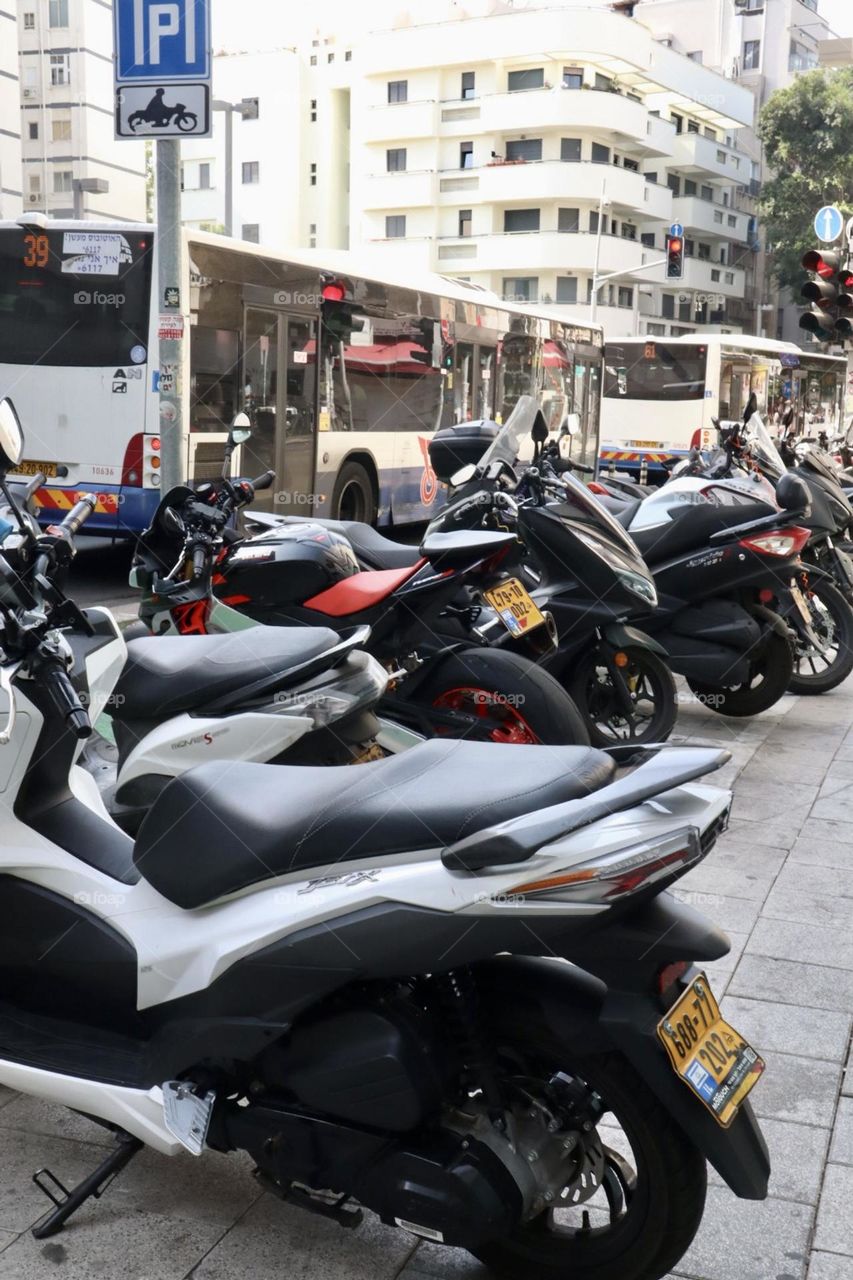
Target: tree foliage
806,130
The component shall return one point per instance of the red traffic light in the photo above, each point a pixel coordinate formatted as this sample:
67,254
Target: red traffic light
334,292
675,245
823,262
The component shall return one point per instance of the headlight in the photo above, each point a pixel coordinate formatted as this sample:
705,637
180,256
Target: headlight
640,586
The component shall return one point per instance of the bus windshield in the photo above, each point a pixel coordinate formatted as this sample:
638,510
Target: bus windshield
74,298
654,371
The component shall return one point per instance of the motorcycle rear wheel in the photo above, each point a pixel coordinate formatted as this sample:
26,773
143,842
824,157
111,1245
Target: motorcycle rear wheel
644,1216
501,697
832,619
770,678
655,708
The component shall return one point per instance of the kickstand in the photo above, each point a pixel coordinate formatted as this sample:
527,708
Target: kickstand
91,1188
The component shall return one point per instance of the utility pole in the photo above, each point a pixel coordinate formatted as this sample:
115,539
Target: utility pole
169,276
247,110
596,284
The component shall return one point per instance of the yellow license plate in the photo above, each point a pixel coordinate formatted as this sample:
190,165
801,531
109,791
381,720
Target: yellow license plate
646,444
515,607
48,469
708,1055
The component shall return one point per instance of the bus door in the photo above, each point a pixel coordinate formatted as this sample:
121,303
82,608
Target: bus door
297,442
260,399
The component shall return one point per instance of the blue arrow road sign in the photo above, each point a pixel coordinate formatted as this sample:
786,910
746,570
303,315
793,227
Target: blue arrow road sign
162,40
828,223
676,229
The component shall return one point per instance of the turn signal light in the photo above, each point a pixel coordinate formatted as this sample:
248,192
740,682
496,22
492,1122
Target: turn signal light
781,543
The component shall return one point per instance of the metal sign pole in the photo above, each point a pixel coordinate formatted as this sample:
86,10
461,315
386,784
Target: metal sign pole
169,276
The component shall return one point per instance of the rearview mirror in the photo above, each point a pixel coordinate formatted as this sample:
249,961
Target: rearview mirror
463,476
11,437
573,425
241,430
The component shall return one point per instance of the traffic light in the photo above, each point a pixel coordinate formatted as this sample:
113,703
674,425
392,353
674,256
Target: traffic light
339,318
429,348
674,258
830,292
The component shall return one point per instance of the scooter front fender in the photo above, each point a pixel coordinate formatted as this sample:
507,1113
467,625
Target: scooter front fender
622,637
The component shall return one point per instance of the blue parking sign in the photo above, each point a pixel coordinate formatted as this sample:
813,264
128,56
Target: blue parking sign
162,40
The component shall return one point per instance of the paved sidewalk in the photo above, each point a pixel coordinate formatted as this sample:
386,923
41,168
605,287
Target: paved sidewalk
781,884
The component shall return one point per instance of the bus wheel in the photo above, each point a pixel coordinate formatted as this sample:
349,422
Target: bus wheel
353,498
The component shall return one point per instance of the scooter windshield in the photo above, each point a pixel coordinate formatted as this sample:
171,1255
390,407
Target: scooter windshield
764,450
588,506
507,445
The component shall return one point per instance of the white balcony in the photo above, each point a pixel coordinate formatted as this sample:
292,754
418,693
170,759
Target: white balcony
700,215
559,180
559,108
531,253
400,121
401,190
699,275
694,153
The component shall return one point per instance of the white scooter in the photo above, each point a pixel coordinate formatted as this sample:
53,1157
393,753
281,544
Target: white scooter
357,975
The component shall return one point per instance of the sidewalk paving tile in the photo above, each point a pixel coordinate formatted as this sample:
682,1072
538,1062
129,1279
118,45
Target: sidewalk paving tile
792,982
834,1231
809,1033
748,1240
830,1266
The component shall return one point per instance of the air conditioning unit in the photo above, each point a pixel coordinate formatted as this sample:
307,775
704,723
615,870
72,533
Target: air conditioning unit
34,197
30,93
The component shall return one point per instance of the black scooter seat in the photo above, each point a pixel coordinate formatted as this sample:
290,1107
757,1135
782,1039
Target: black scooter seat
224,826
165,675
372,549
623,509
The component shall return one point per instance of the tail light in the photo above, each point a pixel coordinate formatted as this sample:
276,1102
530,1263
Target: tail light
696,439
595,487
131,471
618,874
781,543
153,461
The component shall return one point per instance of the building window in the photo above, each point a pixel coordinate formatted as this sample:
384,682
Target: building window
715,276
60,69
312,230
570,149
330,58
204,177
593,223
630,165
678,121
252,232
395,226
604,83
647,239
58,13
61,130
34,131
521,288
656,330
313,59
718,215
521,220
466,155
730,277
398,91
689,248
600,154
63,181
629,231
395,159
35,184
568,220
651,177
313,175
469,81
721,156
519,81
690,187
751,55
348,56
708,132
524,149
692,126
251,172
696,56
707,193
29,22
667,306
573,78
625,297
313,110
674,183
567,289
732,220
466,221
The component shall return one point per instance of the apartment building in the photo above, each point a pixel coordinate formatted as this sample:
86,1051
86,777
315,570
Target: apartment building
10,131
457,145
477,155
762,45
65,63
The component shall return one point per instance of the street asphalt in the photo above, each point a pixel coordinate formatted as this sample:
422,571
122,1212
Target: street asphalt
777,882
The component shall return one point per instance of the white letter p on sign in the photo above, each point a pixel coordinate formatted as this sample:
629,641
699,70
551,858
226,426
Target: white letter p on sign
163,20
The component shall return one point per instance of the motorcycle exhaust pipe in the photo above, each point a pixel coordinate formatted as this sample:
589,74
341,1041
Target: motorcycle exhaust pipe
544,640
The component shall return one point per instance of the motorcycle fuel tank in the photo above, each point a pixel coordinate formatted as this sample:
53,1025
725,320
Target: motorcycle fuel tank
286,565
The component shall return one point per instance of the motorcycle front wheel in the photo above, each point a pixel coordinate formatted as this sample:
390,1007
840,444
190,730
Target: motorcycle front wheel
650,686
186,122
491,695
635,1213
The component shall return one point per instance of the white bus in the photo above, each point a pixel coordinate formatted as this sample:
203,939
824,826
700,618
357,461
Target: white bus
344,374
660,396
